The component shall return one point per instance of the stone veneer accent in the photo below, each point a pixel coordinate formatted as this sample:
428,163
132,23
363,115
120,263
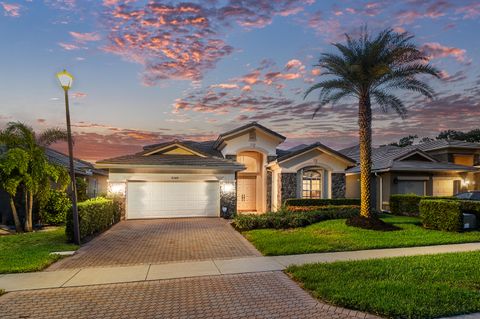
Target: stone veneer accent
338,185
228,199
288,186
269,190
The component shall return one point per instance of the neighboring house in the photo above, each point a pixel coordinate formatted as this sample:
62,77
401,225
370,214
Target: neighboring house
240,171
96,178
436,168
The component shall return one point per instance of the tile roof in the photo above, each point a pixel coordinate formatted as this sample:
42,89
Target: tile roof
311,147
245,127
387,158
81,167
173,160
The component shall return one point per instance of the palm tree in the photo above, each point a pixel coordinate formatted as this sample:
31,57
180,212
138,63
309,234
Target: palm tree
40,172
371,68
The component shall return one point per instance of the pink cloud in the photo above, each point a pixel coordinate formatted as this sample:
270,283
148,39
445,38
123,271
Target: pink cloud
85,37
225,86
68,46
435,51
79,95
11,9
469,11
185,40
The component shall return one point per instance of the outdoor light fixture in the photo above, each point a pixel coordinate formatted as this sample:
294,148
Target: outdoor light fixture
228,187
116,189
66,80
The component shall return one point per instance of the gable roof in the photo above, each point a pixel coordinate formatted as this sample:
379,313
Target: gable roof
442,144
312,147
206,147
172,145
393,158
244,128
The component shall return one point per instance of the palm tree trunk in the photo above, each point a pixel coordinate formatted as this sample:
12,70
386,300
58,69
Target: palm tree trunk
28,219
16,220
365,132
30,211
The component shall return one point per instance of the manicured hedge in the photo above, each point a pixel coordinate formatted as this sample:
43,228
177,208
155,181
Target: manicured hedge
56,208
321,201
408,204
95,215
287,219
441,214
471,207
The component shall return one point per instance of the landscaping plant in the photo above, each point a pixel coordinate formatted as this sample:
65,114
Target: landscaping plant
40,174
370,68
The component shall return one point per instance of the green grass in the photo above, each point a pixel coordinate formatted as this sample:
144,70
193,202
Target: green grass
406,287
334,235
31,251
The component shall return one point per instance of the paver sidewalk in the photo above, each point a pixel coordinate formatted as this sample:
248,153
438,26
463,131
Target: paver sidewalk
149,272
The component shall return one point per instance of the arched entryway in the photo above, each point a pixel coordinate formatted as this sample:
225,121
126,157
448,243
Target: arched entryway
250,195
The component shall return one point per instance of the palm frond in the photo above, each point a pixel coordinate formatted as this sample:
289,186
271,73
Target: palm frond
51,136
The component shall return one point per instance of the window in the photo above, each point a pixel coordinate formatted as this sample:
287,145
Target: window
466,160
312,184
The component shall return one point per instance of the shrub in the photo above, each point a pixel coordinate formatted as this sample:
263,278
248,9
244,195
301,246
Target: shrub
321,201
408,204
287,219
471,207
82,187
441,214
95,215
56,208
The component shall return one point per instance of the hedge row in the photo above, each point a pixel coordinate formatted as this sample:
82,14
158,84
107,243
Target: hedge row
95,215
408,204
322,201
287,219
447,215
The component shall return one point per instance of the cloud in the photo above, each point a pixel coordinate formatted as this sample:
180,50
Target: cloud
69,46
11,9
224,86
469,11
78,95
183,41
435,51
85,37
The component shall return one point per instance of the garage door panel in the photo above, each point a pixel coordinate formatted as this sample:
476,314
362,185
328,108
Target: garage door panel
172,199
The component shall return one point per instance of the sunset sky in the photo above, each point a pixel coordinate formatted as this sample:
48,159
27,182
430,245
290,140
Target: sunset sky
149,71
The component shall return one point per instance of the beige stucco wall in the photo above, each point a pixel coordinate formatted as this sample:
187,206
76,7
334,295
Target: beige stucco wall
264,143
122,176
316,158
352,187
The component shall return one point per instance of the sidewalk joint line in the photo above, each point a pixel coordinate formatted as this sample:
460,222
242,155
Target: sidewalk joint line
216,266
148,271
76,273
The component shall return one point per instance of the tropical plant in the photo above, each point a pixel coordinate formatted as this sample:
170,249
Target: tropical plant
13,170
369,68
40,174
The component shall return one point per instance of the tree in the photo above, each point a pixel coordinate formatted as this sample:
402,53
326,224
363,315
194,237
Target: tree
369,68
40,173
405,141
472,136
13,168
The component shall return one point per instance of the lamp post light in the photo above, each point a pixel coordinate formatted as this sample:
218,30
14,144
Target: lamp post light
66,80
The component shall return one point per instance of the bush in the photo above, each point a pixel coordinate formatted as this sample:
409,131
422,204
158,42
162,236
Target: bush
95,215
287,219
321,201
441,214
82,187
408,204
471,207
56,208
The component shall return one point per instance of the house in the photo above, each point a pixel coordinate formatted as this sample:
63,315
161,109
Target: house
96,182
95,178
242,170
436,168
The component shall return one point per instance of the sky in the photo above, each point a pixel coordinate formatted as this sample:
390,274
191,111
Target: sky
152,71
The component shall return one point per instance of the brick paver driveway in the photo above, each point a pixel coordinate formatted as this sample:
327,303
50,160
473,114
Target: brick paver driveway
161,240
257,295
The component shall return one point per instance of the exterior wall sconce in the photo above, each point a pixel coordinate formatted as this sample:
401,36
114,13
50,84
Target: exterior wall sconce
118,189
228,187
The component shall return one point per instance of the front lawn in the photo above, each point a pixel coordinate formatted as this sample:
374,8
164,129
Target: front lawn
404,287
31,251
334,235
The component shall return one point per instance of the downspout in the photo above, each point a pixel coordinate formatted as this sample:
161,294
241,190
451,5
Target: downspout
381,190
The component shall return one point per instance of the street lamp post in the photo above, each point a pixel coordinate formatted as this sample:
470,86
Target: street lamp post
66,80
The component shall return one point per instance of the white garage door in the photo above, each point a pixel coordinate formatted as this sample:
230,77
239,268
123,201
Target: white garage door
442,187
172,199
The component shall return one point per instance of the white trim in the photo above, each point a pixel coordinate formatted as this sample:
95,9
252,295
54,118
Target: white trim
173,146
319,148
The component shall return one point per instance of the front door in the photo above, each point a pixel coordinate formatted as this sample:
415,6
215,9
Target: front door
246,193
